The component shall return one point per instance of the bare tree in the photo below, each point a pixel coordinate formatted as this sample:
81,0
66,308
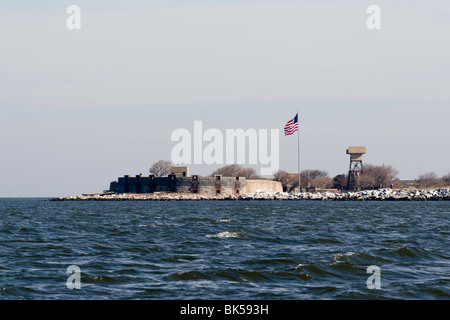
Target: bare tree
161,168
446,179
315,179
368,178
377,176
285,178
231,170
235,170
428,180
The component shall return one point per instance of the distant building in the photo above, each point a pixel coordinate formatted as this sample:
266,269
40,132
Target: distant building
180,171
356,166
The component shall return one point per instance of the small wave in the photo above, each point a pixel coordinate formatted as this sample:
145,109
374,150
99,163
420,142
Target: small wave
94,279
127,271
235,274
324,240
304,276
225,234
338,258
7,231
179,258
7,290
357,258
189,275
311,271
412,252
404,253
353,262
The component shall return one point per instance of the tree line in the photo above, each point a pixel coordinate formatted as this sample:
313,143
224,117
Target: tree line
371,177
162,168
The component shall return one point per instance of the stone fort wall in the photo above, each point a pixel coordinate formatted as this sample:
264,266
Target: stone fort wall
194,184
172,183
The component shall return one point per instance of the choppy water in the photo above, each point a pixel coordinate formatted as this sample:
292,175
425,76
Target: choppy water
224,250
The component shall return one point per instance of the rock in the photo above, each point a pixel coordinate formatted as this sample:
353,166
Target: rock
366,195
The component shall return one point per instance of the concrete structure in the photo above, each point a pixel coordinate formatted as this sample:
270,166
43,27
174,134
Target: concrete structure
355,167
180,171
216,185
173,184
256,186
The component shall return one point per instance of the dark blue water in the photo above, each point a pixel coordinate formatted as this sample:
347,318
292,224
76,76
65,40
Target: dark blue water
224,250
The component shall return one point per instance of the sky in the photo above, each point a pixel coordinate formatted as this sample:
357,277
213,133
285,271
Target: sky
79,108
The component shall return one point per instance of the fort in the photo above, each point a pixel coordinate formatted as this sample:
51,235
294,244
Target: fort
172,184
179,185
212,186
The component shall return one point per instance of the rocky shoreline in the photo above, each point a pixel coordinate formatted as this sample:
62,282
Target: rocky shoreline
367,195
145,197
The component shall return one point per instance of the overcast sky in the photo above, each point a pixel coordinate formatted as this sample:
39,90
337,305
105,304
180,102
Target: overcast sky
78,108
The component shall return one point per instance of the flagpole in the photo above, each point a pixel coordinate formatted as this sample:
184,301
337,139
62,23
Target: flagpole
298,146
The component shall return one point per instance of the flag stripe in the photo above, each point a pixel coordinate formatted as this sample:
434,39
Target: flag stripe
291,126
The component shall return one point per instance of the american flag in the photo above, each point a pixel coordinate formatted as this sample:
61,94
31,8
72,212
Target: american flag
291,126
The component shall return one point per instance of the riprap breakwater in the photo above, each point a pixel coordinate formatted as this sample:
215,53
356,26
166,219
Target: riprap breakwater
366,195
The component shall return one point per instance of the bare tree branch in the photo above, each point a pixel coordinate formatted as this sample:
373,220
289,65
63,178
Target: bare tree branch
161,168
428,180
235,170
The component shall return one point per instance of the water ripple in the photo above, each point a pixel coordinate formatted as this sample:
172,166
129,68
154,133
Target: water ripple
224,250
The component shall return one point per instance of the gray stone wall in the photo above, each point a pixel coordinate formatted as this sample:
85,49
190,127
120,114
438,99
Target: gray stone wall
194,184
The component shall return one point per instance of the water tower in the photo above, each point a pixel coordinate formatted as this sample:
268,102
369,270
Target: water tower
355,168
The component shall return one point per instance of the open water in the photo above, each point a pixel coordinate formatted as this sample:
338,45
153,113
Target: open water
224,249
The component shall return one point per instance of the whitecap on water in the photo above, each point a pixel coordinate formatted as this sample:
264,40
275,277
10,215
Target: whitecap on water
225,234
343,257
